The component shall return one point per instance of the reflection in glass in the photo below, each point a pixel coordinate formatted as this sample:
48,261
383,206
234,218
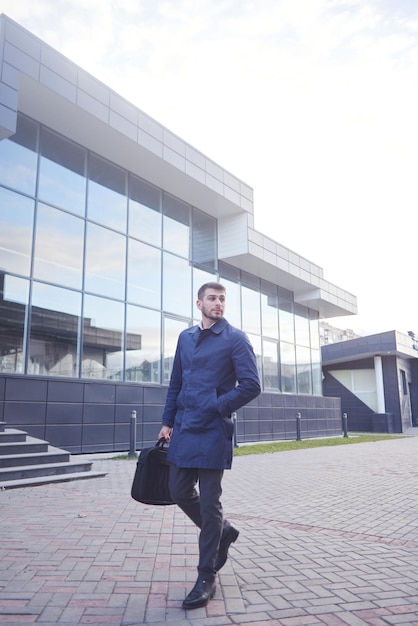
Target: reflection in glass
172,329
287,367
270,365
14,294
62,173
203,239
105,262
302,325
177,287
251,321
286,321
15,232
145,221
270,315
176,226
233,302
314,330
256,344
316,372
54,324
102,339
303,368
59,241
107,202
18,157
144,274
143,345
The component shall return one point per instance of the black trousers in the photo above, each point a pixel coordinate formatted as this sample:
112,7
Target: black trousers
203,507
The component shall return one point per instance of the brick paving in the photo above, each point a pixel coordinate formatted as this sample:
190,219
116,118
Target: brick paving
328,536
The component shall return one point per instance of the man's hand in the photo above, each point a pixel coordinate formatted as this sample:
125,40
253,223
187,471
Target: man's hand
165,433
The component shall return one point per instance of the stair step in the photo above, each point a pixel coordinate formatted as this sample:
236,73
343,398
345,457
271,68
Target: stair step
30,445
51,469
11,435
53,455
46,480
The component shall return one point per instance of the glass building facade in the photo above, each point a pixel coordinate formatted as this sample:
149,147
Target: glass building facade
99,272
109,224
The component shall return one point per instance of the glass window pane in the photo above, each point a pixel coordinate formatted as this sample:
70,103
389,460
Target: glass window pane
286,321
302,325
61,173
143,345
14,294
270,365
145,223
105,262
251,321
16,216
145,220
203,239
58,247
177,287
303,368
176,226
54,324
287,367
256,344
314,331
102,338
270,315
172,329
144,274
316,372
18,157
107,202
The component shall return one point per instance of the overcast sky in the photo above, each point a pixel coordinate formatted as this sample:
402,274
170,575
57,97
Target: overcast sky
313,103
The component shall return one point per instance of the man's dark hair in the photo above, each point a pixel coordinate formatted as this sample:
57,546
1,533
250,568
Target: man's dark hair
202,290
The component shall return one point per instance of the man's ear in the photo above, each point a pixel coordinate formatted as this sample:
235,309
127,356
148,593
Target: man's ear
199,304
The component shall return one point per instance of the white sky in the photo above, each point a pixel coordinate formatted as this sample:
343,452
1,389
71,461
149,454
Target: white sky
313,103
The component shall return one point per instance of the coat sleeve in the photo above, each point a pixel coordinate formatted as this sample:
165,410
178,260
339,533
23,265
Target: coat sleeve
174,388
246,373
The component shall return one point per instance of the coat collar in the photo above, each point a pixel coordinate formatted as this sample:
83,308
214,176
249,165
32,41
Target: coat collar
216,328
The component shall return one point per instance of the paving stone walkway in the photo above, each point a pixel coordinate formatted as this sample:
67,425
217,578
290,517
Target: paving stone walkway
328,536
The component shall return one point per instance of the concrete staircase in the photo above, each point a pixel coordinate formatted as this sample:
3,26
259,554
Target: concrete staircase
26,461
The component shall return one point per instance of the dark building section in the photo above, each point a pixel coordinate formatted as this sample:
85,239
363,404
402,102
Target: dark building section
88,416
361,418
376,379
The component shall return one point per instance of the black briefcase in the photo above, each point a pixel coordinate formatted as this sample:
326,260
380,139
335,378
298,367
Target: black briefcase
150,483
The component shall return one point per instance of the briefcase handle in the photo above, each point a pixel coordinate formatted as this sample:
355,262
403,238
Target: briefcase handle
162,443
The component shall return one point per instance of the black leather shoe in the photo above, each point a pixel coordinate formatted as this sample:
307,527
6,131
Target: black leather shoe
229,537
202,592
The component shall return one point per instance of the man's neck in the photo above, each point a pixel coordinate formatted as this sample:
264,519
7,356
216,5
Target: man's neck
205,324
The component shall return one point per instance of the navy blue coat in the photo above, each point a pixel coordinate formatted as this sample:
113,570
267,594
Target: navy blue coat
214,374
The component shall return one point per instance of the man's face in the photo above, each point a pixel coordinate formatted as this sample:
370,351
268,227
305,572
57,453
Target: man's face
212,305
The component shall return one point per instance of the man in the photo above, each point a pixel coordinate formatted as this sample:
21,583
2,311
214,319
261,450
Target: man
214,374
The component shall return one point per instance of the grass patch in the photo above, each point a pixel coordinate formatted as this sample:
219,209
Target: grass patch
283,446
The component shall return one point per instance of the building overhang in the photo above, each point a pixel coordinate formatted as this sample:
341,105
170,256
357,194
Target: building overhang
391,343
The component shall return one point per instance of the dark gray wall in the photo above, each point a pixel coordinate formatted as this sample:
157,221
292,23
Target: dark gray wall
95,416
362,418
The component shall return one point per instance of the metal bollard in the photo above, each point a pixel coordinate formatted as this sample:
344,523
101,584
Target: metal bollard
298,420
132,449
345,425
234,419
